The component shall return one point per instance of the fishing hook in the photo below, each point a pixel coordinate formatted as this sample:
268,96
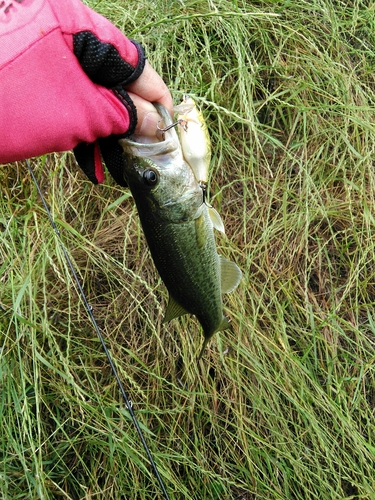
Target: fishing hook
181,122
89,309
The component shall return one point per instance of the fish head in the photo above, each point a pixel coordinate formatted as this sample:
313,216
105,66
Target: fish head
161,182
167,191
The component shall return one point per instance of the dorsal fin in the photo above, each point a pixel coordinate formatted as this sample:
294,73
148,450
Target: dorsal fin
174,310
230,275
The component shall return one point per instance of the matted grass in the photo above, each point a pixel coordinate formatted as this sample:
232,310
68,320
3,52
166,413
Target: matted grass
283,406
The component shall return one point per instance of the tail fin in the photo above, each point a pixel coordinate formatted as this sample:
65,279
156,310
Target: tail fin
224,325
206,340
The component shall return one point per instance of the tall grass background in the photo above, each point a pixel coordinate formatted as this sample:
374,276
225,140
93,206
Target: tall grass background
282,407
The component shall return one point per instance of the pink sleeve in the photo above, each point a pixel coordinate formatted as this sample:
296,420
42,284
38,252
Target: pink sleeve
47,102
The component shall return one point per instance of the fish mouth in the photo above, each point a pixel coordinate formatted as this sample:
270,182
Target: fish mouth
146,147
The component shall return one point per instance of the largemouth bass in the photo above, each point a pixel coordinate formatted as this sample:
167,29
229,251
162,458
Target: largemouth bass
179,229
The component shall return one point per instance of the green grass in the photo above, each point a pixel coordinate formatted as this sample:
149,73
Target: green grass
283,406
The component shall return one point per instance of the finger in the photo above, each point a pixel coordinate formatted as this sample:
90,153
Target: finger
150,87
148,117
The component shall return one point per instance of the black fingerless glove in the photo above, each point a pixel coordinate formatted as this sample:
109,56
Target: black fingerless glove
103,64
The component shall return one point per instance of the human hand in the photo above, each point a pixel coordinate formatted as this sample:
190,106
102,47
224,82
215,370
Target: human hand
70,80
147,89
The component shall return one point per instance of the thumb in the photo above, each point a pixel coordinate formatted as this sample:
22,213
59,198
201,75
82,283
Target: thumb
148,117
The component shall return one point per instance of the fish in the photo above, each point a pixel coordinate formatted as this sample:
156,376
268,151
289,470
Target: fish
196,147
179,228
194,138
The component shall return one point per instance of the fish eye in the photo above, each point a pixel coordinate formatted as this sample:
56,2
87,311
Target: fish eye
150,177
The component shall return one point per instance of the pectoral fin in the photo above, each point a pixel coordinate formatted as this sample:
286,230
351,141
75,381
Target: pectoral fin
230,275
216,219
174,310
199,212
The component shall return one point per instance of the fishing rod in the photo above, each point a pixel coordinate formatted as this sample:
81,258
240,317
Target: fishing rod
89,311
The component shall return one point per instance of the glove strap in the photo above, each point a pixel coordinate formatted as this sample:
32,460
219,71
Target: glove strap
89,159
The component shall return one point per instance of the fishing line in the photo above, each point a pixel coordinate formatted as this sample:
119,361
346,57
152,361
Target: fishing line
89,310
